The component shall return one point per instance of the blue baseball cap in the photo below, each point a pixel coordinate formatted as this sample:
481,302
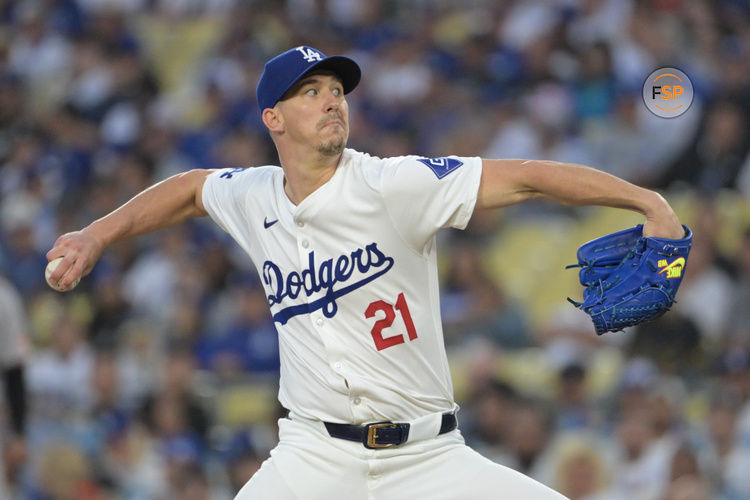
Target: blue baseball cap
284,70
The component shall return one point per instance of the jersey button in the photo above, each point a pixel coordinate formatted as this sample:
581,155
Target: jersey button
305,244
356,401
319,321
300,224
337,365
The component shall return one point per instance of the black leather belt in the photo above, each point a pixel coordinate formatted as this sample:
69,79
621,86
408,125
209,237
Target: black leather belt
383,434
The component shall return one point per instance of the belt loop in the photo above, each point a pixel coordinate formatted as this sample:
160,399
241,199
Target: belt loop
426,427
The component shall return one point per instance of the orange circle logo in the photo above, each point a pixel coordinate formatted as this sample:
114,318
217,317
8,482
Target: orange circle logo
668,92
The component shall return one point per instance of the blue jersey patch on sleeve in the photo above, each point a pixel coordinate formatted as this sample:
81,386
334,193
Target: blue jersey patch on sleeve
441,166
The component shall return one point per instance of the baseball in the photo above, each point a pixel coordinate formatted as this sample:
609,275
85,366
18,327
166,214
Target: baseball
50,269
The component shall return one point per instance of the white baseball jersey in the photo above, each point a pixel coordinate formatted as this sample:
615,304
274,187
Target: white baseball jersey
351,279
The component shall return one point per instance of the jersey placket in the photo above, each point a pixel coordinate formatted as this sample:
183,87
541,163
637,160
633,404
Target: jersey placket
318,321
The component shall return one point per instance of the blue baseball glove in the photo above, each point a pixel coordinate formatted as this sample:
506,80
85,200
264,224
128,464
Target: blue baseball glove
630,278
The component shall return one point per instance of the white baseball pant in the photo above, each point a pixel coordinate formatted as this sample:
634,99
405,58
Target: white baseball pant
308,464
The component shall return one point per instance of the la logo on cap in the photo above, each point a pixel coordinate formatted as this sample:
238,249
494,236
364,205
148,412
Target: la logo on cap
309,54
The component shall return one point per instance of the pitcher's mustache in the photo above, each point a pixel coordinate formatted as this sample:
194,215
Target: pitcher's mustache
325,121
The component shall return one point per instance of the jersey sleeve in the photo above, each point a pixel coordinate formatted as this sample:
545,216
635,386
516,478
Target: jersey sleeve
225,199
423,195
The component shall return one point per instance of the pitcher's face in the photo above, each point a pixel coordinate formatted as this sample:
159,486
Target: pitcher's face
315,112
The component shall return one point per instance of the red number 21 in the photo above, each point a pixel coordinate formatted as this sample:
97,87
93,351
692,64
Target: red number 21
377,330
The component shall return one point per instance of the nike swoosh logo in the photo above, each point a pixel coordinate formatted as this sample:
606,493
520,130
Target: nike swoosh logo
267,224
678,262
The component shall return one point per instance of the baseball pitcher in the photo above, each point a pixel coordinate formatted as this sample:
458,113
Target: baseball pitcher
344,243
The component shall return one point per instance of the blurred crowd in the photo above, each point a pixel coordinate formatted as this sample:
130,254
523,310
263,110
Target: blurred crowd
156,377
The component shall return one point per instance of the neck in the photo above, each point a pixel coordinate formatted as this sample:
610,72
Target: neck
305,173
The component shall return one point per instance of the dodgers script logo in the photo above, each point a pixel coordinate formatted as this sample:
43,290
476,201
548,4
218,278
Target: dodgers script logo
324,276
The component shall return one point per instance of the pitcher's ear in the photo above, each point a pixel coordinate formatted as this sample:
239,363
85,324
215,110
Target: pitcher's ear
273,120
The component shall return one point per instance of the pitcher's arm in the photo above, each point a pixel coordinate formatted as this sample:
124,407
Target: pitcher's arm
162,205
507,182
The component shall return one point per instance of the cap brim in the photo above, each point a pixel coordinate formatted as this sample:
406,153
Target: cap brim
346,68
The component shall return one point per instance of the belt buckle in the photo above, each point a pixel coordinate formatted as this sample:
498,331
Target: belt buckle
372,435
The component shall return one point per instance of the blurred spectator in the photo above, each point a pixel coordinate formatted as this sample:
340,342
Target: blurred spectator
579,466
172,445
688,488
637,377
59,376
705,282
400,77
595,89
716,155
108,423
528,437
110,308
64,472
685,465
714,439
14,349
37,53
566,337
490,419
191,484
175,409
739,314
242,459
27,269
574,407
666,400
140,359
248,343
474,305
734,366
617,139
642,471
150,282
672,341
